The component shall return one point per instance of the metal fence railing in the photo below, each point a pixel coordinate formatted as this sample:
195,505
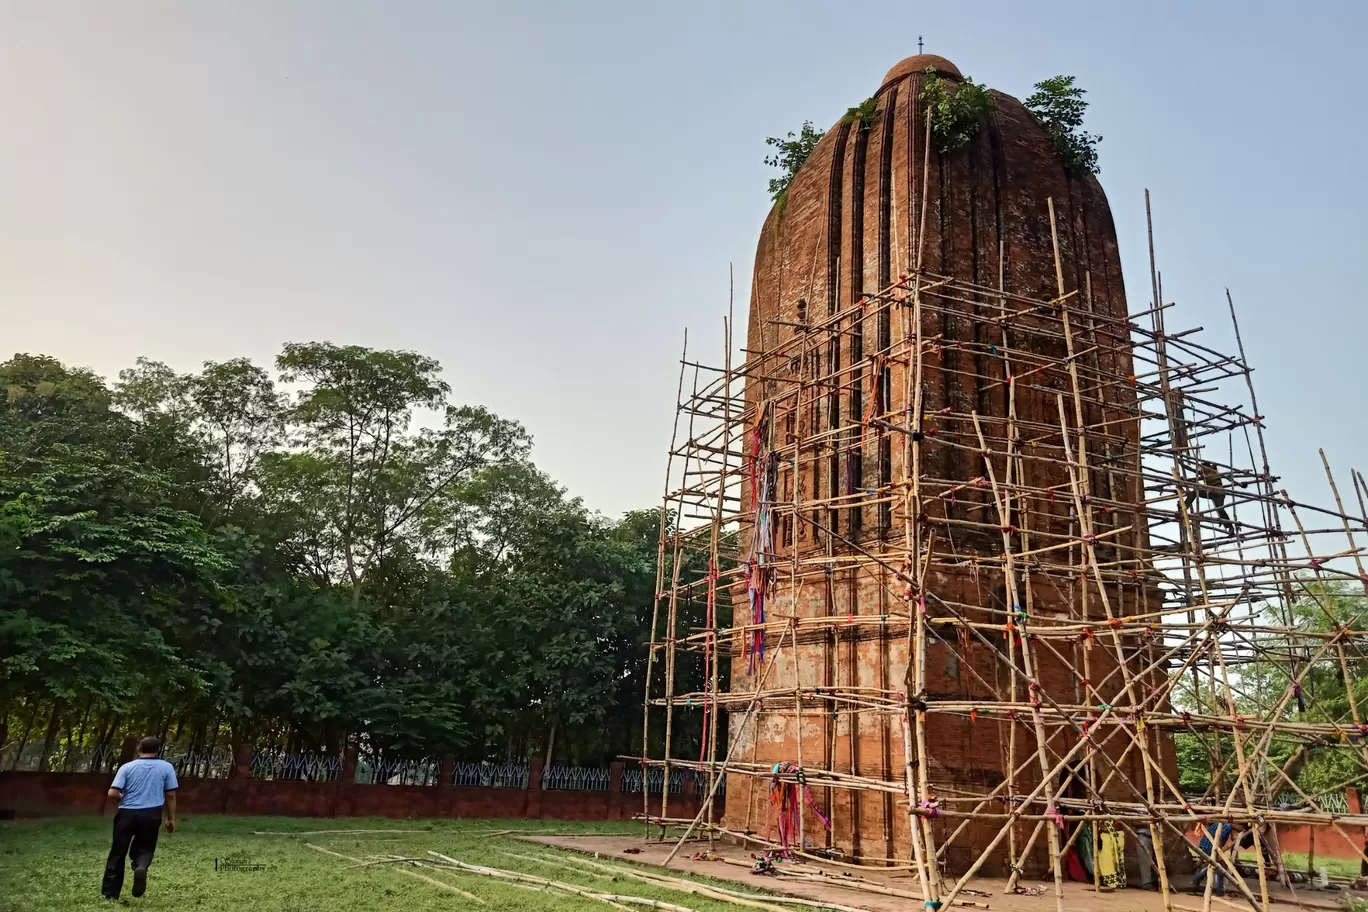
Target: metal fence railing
398,770
490,775
1330,802
101,759
576,778
311,766
632,780
200,764
371,769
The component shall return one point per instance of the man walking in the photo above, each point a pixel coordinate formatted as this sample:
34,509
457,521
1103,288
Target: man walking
143,786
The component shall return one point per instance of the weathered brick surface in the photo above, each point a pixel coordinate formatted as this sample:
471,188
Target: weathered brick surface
849,229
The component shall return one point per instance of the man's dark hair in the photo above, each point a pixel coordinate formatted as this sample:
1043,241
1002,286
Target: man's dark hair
150,745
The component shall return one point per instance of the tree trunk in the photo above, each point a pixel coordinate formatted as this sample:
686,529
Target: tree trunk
50,738
109,724
23,742
550,744
76,739
180,727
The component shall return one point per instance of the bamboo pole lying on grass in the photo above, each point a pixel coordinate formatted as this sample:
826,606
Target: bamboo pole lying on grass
715,892
681,885
514,878
423,877
329,832
554,864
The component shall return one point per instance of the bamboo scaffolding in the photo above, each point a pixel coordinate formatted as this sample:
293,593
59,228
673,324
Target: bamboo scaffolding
1096,547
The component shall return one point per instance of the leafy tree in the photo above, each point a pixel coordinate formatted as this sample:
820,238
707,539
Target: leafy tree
361,477
241,418
98,565
958,113
230,411
1059,106
194,556
45,404
792,151
1259,688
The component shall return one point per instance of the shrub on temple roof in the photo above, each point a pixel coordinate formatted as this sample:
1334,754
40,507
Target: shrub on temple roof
864,113
1059,106
793,150
958,112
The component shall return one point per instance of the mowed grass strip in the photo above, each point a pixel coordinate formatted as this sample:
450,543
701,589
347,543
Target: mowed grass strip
57,865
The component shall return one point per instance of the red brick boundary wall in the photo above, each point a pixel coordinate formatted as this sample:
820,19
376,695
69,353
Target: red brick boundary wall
31,794
1328,842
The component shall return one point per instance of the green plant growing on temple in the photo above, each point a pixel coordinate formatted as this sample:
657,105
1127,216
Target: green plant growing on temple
1059,106
791,151
864,113
957,113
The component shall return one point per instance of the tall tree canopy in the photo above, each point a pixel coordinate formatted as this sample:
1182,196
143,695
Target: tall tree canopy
360,560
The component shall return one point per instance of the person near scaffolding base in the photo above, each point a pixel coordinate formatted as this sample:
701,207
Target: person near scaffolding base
1214,836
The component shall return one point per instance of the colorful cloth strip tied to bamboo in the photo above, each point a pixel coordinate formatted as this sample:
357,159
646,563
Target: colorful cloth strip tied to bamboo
787,797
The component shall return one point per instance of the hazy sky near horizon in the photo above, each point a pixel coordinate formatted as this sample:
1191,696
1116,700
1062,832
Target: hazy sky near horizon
544,195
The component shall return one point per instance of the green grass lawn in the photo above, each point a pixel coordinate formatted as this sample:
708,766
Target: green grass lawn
57,864
1335,867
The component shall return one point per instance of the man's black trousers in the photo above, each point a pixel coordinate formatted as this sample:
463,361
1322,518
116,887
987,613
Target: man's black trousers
135,835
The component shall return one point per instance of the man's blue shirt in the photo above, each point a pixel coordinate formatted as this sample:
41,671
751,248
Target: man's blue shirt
144,783
1221,832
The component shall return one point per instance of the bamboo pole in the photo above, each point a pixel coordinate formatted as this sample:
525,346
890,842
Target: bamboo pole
1138,532
423,877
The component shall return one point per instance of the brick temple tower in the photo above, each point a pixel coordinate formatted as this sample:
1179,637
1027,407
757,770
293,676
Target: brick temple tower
838,461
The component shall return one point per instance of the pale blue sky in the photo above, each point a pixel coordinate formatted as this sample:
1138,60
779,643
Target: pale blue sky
543,195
